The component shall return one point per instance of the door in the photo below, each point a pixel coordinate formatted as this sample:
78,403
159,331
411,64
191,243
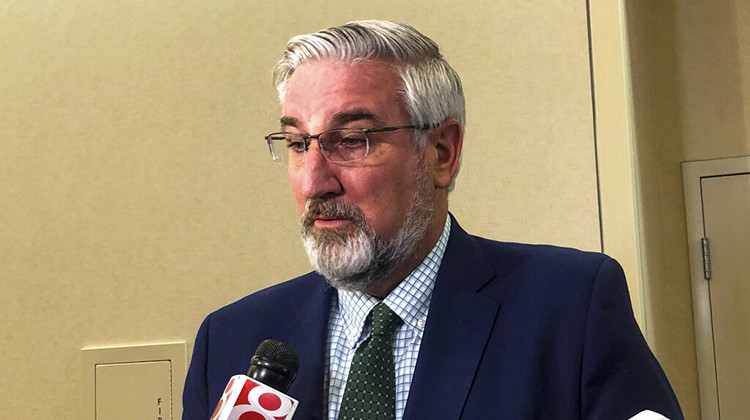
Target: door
718,204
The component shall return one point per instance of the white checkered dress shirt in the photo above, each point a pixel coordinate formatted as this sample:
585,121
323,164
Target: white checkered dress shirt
410,300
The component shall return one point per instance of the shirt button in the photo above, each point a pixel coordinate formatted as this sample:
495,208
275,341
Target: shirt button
421,323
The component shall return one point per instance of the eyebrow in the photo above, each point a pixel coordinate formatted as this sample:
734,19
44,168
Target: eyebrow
289,122
339,118
355,115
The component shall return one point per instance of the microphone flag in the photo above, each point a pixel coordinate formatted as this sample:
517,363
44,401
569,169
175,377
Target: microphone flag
247,399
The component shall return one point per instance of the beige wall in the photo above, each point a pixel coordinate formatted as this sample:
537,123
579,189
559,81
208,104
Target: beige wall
691,90
137,197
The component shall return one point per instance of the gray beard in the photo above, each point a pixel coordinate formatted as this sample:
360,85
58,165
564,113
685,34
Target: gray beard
354,260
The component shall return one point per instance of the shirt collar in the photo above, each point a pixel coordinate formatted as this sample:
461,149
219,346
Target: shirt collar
410,300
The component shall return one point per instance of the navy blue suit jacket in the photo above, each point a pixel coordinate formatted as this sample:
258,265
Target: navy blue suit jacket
514,332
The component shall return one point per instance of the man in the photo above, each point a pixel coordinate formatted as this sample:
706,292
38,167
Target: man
372,130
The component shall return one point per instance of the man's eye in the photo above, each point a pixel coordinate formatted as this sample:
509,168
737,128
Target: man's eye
296,146
352,141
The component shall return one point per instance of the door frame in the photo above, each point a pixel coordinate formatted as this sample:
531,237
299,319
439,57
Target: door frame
692,175
614,132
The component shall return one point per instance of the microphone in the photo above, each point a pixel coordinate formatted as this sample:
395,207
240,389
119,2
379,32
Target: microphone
274,364
260,393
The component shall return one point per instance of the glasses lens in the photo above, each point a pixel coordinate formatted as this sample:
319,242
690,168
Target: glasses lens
286,147
344,145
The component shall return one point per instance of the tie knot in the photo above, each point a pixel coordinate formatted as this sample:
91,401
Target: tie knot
384,320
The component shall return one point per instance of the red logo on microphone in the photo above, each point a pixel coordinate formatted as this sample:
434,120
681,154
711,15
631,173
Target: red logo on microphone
247,399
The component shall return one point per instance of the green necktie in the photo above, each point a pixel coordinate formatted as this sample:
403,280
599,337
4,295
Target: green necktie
371,387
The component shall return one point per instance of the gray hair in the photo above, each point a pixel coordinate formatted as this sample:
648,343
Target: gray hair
432,90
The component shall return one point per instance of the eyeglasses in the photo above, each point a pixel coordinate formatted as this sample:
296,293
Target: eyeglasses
340,145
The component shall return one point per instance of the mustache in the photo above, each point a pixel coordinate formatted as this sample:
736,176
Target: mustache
318,207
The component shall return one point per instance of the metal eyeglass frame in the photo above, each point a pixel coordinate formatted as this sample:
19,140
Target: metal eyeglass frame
306,139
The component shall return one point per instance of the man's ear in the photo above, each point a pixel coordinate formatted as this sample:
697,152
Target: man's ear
447,139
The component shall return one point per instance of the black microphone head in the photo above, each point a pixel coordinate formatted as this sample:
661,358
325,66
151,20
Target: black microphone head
274,364
275,350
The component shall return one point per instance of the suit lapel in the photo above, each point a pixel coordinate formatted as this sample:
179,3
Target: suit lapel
457,330
308,335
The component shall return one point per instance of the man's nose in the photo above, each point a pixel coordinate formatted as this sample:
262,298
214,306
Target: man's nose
319,174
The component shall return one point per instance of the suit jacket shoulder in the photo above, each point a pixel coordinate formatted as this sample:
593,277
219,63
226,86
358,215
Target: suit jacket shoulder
294,312
533,331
